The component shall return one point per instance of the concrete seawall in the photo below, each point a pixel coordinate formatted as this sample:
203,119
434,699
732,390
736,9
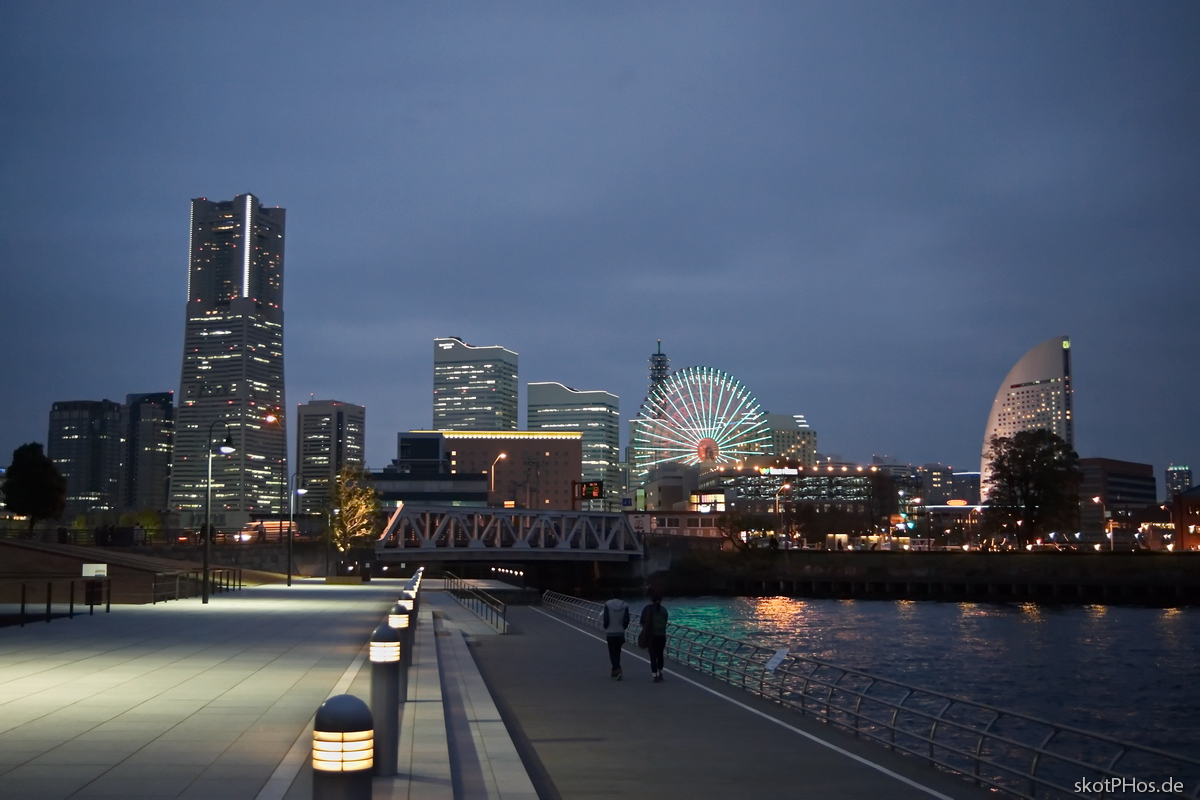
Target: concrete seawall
1167,578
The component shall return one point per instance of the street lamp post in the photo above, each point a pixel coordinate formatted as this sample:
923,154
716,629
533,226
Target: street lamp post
226,447
778,516
492,474
295,490
1112,539
782,489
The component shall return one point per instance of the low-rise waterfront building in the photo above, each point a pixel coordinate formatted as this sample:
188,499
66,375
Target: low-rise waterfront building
524,469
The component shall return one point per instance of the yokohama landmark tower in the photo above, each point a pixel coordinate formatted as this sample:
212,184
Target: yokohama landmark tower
231,384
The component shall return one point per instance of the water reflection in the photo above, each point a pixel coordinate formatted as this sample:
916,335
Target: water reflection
1121,670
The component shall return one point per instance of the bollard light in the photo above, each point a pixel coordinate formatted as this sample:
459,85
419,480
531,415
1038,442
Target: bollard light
398,616
343,751
386,695
385,645
343,735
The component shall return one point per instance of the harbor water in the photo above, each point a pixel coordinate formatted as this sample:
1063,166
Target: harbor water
1125,672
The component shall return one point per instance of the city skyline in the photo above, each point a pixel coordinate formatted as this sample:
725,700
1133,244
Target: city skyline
864,214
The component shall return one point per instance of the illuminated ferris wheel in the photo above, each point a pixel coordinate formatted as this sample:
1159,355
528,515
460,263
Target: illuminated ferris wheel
698,414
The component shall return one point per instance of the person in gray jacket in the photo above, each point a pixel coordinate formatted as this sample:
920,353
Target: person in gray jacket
615,620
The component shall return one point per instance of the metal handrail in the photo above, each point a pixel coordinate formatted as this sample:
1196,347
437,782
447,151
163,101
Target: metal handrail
180,584
1023,755
97,592
485,606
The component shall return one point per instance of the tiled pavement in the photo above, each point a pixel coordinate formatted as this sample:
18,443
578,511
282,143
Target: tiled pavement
583,735
182,700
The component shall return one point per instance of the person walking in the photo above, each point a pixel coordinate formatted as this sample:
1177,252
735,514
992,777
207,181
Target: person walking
654,624
616,620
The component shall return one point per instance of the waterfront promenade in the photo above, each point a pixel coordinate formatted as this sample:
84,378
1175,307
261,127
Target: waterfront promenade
182,700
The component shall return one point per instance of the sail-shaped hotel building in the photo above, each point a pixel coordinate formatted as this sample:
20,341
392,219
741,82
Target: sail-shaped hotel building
1035,395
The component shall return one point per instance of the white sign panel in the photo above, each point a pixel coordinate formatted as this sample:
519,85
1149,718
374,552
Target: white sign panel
95,570
774,661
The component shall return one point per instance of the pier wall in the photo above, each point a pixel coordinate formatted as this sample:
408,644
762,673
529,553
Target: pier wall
1153,578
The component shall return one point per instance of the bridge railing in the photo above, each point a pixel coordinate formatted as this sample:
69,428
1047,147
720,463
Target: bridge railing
1016,753
487,607
459,530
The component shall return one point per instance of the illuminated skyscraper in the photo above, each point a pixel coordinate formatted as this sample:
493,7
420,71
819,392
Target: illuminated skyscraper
1179,480
596,415
86,443
149,443
1035,395
232,377
330,436
474,388
792,438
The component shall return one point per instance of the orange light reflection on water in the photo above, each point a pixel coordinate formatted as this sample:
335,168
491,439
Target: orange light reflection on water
779,614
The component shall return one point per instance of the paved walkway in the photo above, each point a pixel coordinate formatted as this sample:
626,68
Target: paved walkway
584,735
179,699
182,700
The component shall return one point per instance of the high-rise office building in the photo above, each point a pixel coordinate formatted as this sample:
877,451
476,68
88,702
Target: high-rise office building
149,442
597,416
937,484
1179,480
1036,395
231,383
330,436
792,438
86,443
474,388
966,487
1118,488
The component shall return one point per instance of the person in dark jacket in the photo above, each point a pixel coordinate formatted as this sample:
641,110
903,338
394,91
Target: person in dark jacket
616,620
654,622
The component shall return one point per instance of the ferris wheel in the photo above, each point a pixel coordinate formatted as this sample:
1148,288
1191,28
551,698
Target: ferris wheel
698,414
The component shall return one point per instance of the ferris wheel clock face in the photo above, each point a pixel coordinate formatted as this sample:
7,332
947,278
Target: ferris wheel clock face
699,415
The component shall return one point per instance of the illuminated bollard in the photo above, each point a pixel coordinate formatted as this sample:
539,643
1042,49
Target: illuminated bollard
411,596
404,619
343,749
386,677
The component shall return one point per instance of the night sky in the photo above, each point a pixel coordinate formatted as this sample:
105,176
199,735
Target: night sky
865,211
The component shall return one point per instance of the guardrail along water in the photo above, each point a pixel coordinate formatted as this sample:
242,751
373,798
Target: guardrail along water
1017,753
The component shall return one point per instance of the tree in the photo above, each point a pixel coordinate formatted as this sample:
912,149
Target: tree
734,524
33,486
882,500
151,521
354,508
1034,486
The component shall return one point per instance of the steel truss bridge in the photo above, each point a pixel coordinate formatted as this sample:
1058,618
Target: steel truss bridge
457,533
